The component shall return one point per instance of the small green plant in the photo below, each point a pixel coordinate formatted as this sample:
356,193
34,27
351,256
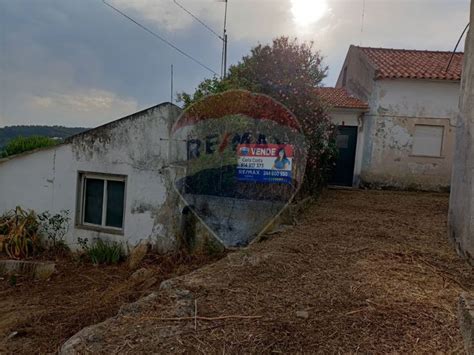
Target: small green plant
23,144
102,252
54,228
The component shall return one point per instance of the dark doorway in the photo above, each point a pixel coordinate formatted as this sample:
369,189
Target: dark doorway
343,171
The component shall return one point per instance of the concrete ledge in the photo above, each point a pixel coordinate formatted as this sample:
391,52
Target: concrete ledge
466,320
33,269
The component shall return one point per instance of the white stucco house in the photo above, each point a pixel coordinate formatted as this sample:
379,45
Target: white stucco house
112,179
405,136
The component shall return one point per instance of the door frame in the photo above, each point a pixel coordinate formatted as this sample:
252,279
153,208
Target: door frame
341,175
352,117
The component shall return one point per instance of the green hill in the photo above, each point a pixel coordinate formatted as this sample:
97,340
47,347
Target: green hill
10,132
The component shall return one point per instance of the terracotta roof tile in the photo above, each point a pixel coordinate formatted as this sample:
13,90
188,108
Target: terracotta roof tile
414,64
340,98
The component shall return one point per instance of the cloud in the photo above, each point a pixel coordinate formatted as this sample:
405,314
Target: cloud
247,19
92,100
41,102
87,107
80,63
164,13
54,95
3,121
337,25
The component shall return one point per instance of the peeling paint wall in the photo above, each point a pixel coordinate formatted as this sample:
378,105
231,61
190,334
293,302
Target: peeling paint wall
136,146
396,107
416,98
461,204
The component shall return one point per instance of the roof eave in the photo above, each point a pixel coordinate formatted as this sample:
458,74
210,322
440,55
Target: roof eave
423,79
111,123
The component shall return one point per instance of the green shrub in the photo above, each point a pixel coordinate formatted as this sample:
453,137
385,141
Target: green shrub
102,252
23,144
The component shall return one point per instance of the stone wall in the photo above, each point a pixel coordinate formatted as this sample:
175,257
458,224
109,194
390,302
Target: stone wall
461,207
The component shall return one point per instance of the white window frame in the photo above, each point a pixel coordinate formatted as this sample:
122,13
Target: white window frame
81,202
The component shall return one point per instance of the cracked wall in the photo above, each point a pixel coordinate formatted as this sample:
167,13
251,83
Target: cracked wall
396,107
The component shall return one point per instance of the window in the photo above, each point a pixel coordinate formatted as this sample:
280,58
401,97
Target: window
428,140
102,201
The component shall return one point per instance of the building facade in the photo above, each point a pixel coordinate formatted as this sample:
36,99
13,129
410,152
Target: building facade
113,180
409,127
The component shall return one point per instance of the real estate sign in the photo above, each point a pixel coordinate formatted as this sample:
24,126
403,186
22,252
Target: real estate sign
237,159
268,163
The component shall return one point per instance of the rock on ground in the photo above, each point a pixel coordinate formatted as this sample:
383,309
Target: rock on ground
466,320
137,254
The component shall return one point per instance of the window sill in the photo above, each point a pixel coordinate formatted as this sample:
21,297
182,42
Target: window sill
100,229
425,156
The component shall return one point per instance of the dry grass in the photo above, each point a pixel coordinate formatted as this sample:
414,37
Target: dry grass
373,270
46,313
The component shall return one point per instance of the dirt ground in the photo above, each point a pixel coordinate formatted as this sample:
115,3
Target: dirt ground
46,313
363,271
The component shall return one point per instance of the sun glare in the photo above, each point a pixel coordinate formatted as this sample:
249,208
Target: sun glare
308,12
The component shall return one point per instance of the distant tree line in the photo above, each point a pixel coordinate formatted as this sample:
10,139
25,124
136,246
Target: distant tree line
21,144
19,139
59,132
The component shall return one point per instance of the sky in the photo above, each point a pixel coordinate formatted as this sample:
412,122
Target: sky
80,63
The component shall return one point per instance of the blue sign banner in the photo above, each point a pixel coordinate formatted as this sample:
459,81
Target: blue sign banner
262,175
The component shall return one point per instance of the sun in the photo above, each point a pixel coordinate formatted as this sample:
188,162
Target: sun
308,12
